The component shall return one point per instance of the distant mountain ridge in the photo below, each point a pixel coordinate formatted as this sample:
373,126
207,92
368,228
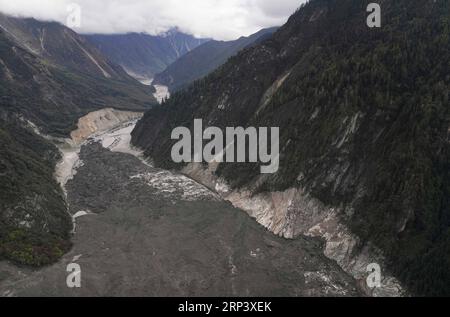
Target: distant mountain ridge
49,71
144,55
204,59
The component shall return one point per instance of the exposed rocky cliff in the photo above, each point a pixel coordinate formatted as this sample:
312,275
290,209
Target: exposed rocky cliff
34,226
364,119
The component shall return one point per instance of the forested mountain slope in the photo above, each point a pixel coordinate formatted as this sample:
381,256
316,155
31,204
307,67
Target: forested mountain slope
364,123
145,55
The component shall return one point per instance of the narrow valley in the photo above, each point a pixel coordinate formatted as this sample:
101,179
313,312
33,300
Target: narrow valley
143,231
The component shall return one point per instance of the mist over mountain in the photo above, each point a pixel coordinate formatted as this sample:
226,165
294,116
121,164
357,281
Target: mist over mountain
145,55
364,119
204,59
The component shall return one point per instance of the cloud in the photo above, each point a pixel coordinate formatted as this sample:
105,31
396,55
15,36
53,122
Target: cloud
219,19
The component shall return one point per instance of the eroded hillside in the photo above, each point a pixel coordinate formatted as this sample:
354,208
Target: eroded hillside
364,120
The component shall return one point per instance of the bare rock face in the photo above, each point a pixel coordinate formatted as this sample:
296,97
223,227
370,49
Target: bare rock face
101,121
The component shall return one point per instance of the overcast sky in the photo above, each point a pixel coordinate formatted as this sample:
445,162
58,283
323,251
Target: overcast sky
219,19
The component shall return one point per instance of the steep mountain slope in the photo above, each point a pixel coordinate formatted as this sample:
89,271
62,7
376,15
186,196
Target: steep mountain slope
47,82
59,45
34,225
55,86
364,133
145,55
204,59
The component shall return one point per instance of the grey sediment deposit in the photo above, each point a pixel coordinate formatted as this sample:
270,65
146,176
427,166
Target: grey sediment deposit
142,231
101,121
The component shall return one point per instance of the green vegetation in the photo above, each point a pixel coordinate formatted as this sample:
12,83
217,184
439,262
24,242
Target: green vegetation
363,117
204,59
53,96
52,91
